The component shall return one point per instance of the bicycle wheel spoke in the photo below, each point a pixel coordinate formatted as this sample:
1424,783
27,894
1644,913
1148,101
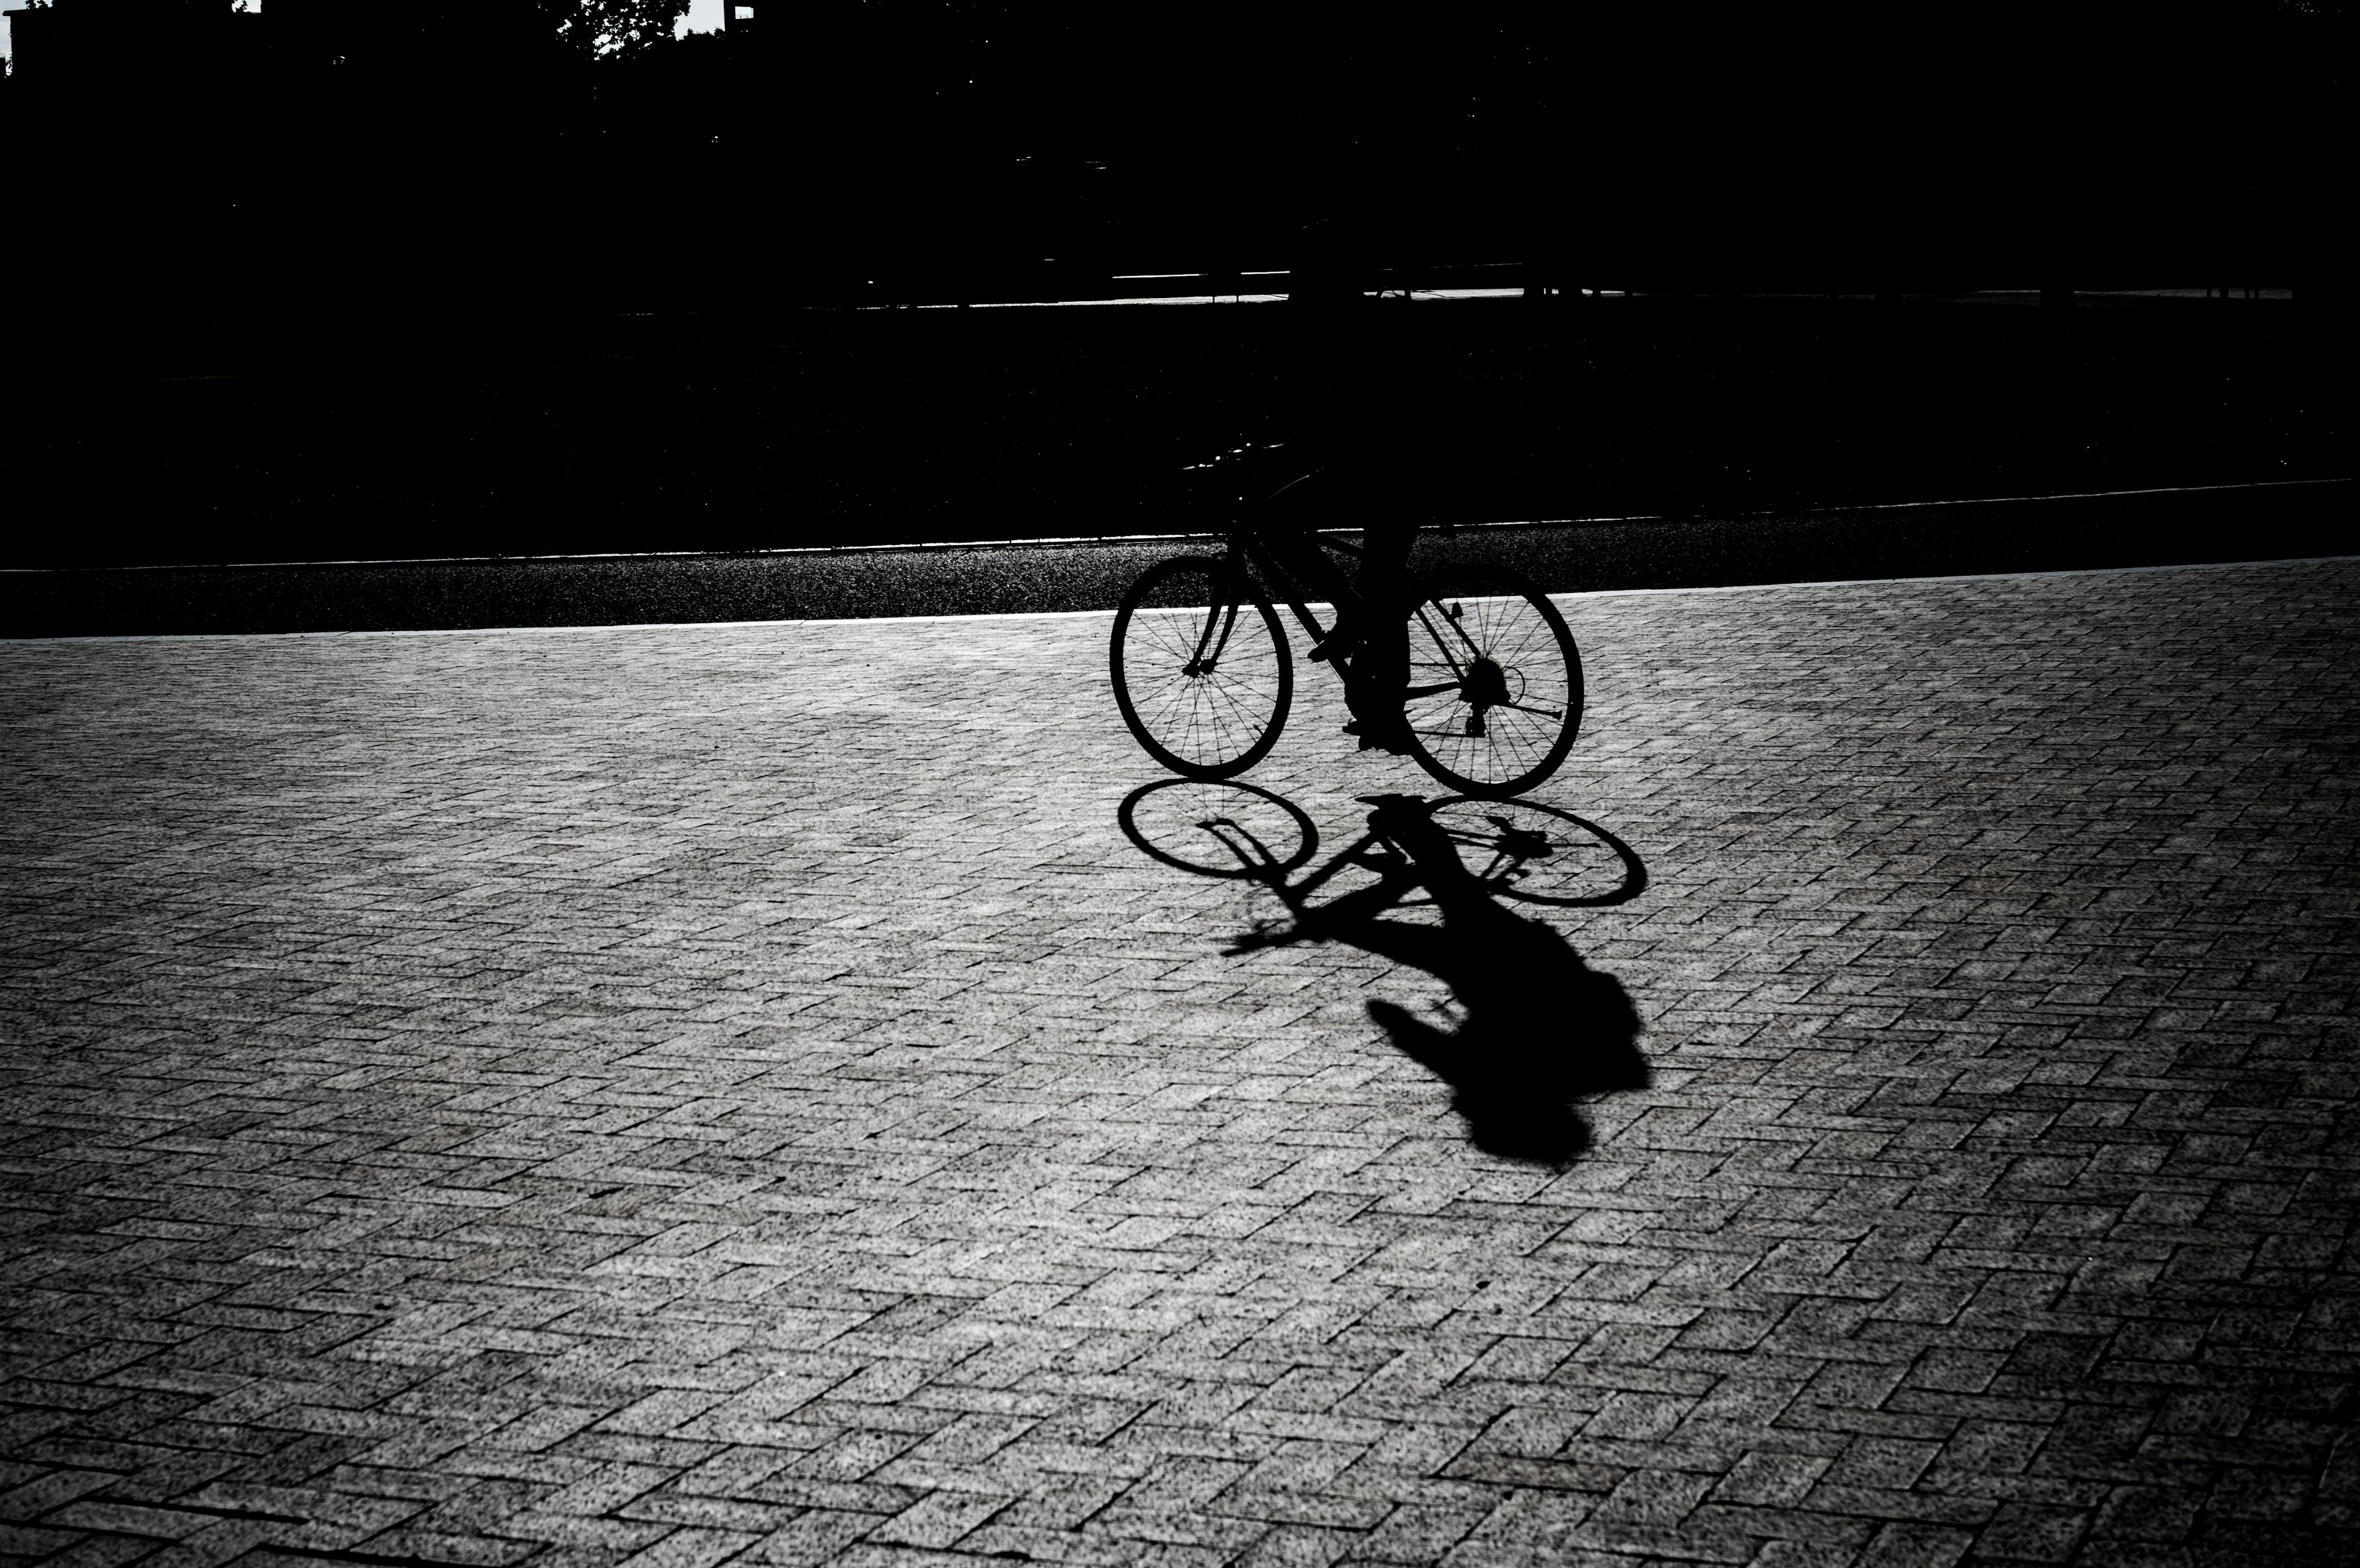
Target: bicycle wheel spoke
1504,724
1202,675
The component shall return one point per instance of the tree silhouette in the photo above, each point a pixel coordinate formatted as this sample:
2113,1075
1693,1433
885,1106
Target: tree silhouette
617,29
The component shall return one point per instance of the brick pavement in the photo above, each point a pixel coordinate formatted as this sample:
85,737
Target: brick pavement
670,1096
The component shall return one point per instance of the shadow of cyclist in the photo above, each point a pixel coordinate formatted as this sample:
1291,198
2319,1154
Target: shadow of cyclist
1538,1028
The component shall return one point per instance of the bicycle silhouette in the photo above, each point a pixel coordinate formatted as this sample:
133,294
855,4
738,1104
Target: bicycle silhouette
1532,1027
1204,675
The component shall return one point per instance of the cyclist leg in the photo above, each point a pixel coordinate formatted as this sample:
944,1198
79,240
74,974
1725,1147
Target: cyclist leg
1390,507
1380,673
1291,536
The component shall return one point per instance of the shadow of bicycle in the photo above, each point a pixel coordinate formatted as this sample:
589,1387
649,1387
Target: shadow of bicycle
1532,1028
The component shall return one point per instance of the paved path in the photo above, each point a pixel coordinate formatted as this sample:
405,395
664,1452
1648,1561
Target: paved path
680,1094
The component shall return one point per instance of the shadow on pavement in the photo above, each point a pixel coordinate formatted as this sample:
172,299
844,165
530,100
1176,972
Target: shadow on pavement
1535,1029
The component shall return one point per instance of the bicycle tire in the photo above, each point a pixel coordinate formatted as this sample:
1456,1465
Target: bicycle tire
1495,694
1219,720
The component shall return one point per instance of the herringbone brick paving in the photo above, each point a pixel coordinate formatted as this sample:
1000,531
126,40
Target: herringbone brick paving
670,1096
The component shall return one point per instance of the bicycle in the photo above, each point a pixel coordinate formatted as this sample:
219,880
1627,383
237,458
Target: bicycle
1204,674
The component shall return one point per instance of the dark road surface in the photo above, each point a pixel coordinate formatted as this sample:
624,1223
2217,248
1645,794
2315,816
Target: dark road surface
2260,522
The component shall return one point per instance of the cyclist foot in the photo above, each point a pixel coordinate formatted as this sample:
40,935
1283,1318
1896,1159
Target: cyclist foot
1393,737
1336,645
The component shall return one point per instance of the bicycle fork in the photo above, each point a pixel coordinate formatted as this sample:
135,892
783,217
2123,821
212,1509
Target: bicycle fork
1212,639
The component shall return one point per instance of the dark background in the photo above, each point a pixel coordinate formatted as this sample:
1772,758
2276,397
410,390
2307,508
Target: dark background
424,280
867,427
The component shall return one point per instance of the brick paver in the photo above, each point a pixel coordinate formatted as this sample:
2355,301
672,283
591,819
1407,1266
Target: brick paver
676,1095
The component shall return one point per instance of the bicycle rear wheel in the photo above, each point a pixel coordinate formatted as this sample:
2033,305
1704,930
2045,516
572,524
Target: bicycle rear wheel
1202,671
1494,697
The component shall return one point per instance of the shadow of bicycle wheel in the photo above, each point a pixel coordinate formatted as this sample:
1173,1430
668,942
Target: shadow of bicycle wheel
1541,854
1171,821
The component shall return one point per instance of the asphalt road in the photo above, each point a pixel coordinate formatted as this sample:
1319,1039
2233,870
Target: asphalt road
2258,522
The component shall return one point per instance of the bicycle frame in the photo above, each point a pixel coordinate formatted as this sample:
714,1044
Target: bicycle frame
1246,546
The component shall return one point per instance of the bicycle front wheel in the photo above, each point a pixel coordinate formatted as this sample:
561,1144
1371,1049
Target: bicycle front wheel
1495,696
1202,671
